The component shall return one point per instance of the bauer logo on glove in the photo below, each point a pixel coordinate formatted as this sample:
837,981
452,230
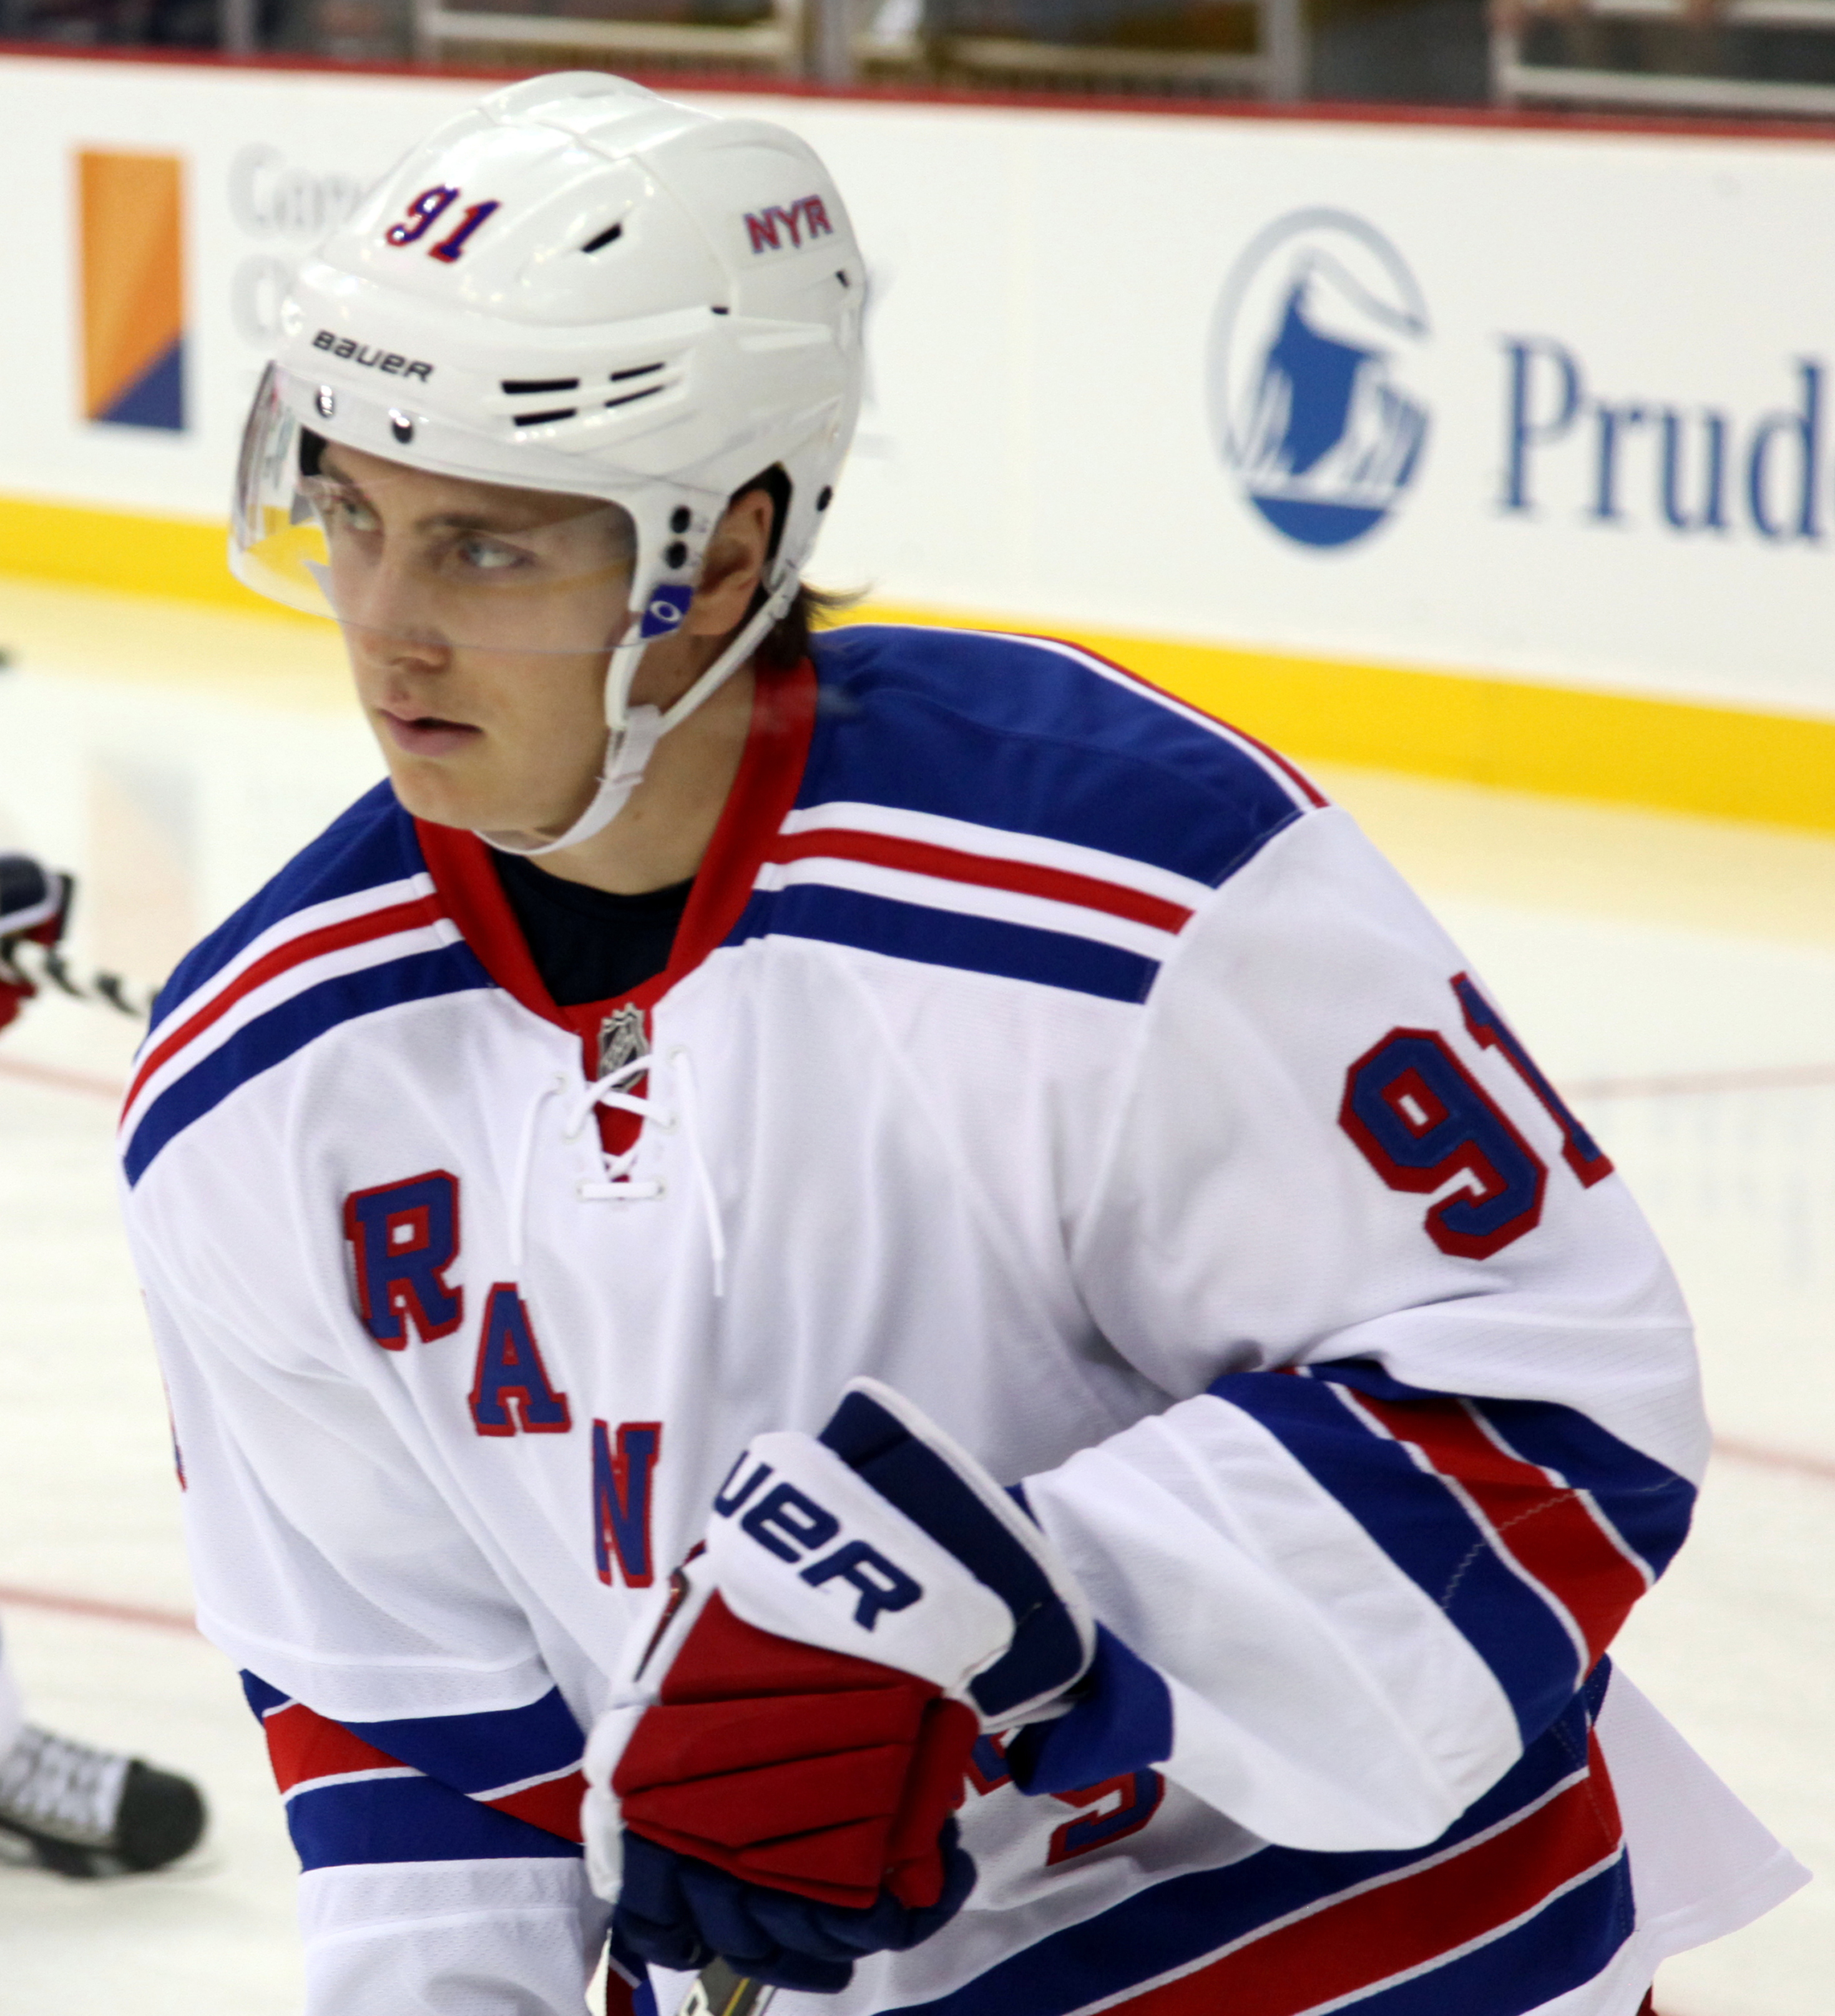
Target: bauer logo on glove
792,1737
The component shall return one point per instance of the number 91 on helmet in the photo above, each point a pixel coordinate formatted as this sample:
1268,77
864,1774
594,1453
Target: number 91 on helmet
514,393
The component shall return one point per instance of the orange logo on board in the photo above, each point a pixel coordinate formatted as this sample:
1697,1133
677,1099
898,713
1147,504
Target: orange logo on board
130,222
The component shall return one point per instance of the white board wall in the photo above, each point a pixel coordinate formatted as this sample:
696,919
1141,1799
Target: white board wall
1126,368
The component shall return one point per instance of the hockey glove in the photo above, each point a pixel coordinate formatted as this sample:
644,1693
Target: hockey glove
795,1734
33,904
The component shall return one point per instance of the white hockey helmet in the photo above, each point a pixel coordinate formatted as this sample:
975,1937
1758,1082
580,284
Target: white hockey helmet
577,287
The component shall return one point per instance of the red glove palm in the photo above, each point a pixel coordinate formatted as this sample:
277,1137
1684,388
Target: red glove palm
803,1769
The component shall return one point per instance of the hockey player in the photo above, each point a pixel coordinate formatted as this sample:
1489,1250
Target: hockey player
67,1805
920,1240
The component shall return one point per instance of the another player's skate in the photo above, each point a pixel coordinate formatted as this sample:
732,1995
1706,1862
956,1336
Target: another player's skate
84,1811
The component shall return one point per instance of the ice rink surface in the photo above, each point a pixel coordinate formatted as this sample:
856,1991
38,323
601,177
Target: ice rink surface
1675,977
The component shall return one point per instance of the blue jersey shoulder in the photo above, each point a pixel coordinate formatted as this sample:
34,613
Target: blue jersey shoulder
1033,736
366,846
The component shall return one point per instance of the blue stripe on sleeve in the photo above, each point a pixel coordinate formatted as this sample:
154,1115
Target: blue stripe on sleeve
1567,1943
270,1040
947,938
1419,1523
260,1696
1648,1504
408,1820
477,1753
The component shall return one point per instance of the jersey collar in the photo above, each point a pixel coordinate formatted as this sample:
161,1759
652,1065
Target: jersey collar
770,771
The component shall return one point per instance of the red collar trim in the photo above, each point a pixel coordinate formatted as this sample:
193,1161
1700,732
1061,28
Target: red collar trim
770,771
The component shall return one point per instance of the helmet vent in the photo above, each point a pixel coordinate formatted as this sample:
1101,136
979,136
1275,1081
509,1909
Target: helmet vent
631,398
636,371
541,419
609,236
515,387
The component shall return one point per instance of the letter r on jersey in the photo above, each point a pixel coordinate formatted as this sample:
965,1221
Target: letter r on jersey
403,1237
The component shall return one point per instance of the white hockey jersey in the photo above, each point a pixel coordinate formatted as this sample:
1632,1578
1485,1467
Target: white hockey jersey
1061,1058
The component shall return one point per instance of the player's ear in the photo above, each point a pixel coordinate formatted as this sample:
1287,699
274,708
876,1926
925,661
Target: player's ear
737,556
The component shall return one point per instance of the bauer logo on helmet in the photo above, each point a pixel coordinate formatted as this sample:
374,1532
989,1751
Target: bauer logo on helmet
371,356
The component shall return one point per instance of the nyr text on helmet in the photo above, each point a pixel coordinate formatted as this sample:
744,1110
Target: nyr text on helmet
808,218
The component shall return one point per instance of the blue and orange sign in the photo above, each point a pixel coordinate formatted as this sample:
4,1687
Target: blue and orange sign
132,225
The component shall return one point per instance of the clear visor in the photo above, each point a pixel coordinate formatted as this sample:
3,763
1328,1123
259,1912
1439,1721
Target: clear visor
381,547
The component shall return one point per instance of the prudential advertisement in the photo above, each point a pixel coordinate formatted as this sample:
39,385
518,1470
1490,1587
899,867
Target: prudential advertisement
1559,407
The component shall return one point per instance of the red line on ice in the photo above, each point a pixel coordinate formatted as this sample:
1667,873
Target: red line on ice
1821,1468
1763,1078
94,1606
60,1080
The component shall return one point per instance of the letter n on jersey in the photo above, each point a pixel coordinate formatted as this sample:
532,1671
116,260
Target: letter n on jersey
403,1238
513,1389
622,1499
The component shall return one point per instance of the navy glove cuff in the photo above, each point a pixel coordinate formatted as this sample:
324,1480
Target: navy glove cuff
1121,1721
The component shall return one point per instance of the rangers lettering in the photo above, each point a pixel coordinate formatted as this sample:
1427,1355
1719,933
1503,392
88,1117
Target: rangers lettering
512,1390
403,1237
622,1499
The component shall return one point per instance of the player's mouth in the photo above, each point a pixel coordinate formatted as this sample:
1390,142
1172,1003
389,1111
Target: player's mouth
425,734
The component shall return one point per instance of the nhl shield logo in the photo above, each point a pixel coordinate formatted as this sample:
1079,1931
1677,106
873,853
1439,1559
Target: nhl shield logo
622,1039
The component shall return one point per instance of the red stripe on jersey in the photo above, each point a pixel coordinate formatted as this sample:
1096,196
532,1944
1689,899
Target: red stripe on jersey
303,1745
1355,1944
296,952
950,864
1549,1531
553,1806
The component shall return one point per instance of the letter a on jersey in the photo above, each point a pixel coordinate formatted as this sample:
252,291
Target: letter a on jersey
512,1390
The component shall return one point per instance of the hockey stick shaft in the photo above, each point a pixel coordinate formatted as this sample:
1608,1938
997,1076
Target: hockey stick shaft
721,1990
43,965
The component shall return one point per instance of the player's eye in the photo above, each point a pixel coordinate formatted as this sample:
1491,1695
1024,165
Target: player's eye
478,554
345,510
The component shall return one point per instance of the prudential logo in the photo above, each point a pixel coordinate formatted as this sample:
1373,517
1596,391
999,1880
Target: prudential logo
1316,330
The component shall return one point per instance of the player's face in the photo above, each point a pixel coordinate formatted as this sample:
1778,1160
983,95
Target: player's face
478,620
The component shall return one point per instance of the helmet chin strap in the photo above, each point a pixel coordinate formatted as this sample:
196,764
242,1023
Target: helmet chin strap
634,732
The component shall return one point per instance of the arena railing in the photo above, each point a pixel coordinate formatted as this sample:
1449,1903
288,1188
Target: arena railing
838,41
1516,81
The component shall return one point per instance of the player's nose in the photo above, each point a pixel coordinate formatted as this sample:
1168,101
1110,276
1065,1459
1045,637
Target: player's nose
384,649
392,607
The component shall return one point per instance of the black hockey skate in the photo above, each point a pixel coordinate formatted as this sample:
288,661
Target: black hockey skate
84,1811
